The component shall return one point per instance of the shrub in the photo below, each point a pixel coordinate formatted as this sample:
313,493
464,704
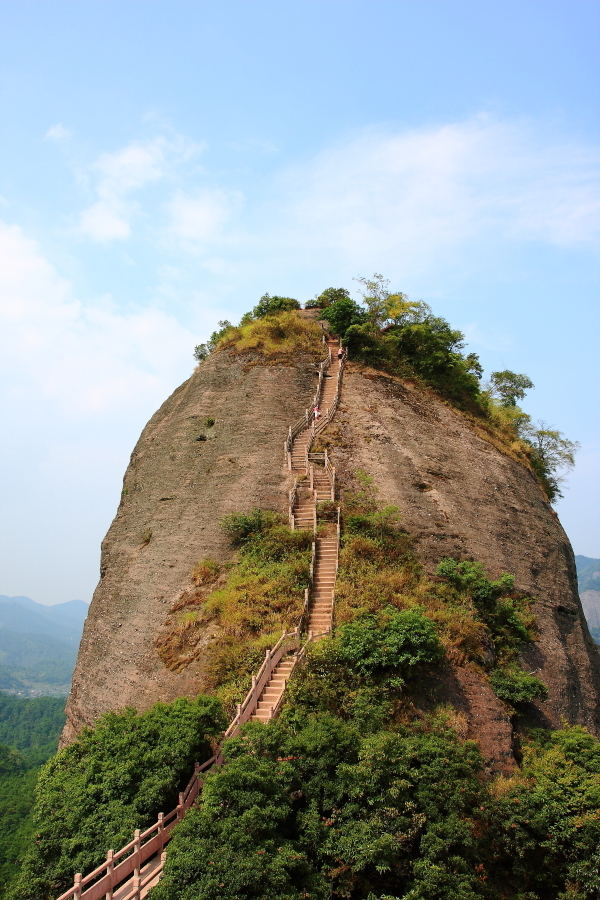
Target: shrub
201,351
230,628
268,306
516,687
395,642
508,618
115,777
279,337
239,527
342,314
326,298
204,571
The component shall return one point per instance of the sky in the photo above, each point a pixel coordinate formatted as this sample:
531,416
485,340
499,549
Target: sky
164,164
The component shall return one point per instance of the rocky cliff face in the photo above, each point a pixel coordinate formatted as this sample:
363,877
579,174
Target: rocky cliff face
458,494
175,491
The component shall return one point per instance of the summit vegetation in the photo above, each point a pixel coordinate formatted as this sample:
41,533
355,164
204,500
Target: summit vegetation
386,330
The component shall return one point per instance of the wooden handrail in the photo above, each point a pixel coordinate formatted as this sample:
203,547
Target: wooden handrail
127,862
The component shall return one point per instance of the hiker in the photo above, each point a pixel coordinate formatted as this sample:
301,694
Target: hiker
340,352
317,412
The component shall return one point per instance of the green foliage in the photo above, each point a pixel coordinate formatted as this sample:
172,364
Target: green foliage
405,338
517,687
326,298
279,337
115,777
201,351
509,386
240,527
320,809
31,726
17,784
269,306
395,642
262,596
470,577
552,455
360,673
543,829
505,612
342,314
326,803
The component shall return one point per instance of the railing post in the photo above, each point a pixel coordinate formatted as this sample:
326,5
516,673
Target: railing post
136,885
77,884
110,869
137,845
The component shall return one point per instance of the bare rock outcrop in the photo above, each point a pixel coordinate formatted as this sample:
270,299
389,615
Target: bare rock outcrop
459,496
184,476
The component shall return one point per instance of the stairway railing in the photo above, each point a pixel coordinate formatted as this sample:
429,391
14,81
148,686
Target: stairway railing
127,863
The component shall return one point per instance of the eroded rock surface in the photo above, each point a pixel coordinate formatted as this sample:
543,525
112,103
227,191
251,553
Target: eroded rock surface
459,496
175,491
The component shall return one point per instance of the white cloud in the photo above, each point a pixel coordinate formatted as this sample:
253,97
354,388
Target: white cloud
121,173
58,133
200,217
81,358
406,199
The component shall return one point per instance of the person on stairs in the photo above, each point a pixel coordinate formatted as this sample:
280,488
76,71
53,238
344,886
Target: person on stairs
317,412
340,352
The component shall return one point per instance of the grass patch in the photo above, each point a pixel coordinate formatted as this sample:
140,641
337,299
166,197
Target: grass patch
277,338
479,621
236,614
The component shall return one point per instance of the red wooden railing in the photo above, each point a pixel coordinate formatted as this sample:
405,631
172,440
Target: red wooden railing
129,869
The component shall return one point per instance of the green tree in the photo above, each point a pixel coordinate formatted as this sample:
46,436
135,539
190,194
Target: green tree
268,306
509,386
326,298
516,687
343,314
553,455
115,777
201,351
375,295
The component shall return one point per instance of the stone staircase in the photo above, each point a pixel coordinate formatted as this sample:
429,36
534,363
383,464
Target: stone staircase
320,596
271,696
131,872
320,611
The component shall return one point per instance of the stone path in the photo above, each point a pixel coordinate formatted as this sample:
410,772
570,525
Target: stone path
320,607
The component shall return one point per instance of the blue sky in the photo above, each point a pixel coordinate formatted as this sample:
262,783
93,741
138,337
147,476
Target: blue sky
163,164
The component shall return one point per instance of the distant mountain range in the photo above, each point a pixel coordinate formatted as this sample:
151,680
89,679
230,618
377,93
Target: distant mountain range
38,645
588,579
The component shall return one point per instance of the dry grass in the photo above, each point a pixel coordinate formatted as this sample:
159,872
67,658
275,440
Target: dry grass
229,620
278,339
